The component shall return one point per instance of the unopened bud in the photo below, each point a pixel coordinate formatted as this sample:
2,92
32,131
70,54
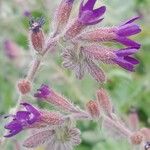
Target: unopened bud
136,138
74,29
92,108
24,86
104,102
62,15
36,34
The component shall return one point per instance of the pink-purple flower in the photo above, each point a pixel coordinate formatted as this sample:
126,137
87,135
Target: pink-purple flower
43,91
129,28
124,58
22,119
88,15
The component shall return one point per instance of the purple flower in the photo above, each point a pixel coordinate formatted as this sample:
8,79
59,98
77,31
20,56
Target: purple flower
43,91
124,59
22,119
88,15
128,29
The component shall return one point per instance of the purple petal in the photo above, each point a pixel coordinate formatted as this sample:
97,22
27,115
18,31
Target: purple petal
22,116
126,51
12,125
34,113
89,5
88,16
43,91
14,128
13,132
131,20
127,42
99,11
124,64
131,60
128,30
93,22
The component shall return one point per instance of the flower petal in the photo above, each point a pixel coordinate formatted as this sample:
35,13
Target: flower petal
132,20
43,91
127,42
124,64
131,60
128,30
126,51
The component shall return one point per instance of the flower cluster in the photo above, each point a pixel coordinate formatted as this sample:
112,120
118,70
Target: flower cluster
85,50
82,53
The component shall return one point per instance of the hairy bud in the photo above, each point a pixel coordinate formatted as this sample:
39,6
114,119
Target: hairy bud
136,138
74,29
104,102
36,34
24,86
62,15
92,108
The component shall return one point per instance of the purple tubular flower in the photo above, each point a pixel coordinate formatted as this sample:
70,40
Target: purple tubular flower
22,119
88,15
128,29
124,59
43,91
14,127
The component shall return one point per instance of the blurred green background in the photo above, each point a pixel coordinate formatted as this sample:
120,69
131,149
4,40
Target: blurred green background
126,89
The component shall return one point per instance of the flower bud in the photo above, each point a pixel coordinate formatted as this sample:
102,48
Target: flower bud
104,102
92,108
36,34
24,86
62,15
136,138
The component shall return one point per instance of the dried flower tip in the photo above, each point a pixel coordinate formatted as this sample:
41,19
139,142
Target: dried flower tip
147,146
37,35
36,24
62,15
64,138
61,137
24,86
92,108
104,102
136,138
